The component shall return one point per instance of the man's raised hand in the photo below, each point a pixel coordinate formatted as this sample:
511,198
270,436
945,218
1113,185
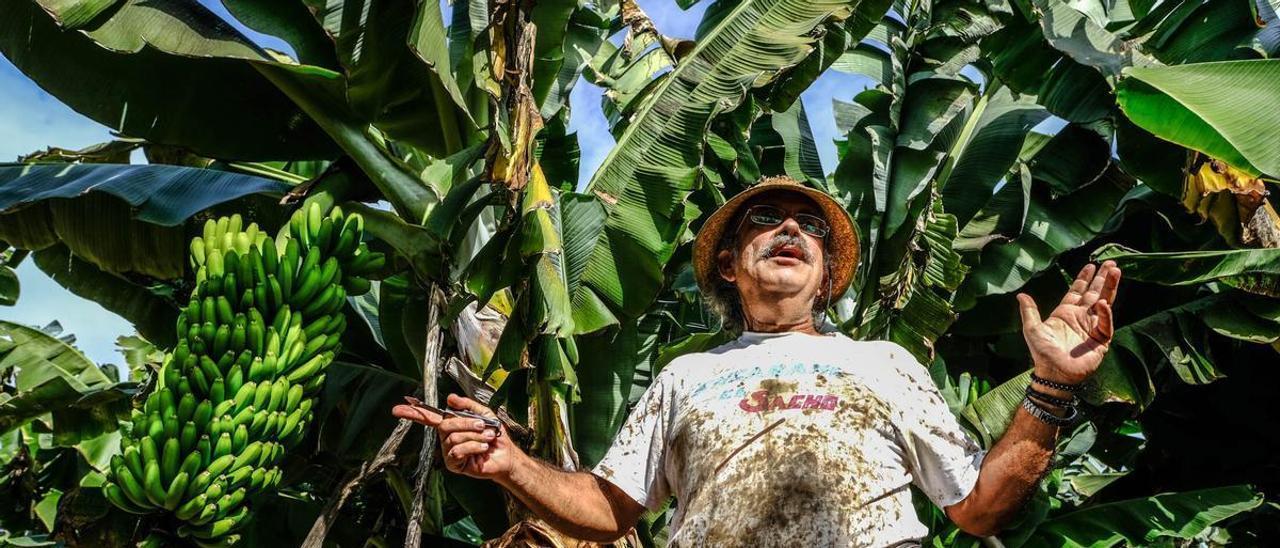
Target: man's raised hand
469,447
1068,346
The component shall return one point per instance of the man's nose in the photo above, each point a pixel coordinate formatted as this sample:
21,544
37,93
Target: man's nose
790,226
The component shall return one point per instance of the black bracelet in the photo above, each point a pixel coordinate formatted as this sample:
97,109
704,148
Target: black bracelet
1073,388
1049,418
1045,398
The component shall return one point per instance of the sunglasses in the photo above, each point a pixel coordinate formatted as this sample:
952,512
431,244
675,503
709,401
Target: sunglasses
767,215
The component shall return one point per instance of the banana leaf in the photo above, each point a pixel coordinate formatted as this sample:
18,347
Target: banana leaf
382,47
607,363
1141,522
1052,226
1252,270
48,374
1169,102
120,218
1085,40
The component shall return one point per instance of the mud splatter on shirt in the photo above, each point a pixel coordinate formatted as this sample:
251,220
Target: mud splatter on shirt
793,439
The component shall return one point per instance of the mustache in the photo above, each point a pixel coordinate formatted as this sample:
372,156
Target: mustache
783,239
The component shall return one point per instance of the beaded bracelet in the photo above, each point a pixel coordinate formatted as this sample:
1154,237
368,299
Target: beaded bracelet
1049,418
1073,388
1045,398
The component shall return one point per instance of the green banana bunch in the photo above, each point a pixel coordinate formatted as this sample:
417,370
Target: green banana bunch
263,323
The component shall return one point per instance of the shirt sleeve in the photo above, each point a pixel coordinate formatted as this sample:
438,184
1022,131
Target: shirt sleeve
635,461
944,460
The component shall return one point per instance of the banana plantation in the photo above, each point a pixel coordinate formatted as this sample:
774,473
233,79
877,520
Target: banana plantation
394,208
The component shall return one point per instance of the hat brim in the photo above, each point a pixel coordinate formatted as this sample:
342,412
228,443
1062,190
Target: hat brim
841,244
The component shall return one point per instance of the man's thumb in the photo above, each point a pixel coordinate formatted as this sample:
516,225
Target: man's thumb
1030,313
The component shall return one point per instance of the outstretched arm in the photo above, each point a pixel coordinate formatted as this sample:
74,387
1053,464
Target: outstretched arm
576,503
1067,348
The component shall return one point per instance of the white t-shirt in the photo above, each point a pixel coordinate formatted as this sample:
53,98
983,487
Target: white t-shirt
791,439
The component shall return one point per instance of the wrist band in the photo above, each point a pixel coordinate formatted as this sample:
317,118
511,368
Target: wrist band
1045,398
1073,388
1049,418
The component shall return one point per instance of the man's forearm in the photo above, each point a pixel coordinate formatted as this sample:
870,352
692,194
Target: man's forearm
1009,475
576,503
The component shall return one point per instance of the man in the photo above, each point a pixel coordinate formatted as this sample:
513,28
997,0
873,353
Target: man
790,436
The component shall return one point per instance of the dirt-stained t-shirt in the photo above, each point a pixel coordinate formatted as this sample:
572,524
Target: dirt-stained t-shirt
792,439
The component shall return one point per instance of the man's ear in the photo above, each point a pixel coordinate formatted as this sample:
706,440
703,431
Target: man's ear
724,264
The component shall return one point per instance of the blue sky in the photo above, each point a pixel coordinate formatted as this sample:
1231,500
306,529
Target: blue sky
31,119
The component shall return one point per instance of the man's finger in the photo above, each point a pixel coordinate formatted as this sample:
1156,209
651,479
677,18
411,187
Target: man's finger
1102,328
459,424
467,449
1111,285
1030,314
417,414
1096,284
458,438
1079,285
468,404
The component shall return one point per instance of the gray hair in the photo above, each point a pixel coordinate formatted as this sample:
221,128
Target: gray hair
723,297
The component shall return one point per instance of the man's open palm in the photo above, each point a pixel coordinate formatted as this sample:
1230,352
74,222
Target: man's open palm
1069,345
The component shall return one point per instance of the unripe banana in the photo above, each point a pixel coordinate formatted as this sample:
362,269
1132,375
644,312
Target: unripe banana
239,438
288,270
235,378
314,217
153,485
270,258
223,447
262,396
132,488
116,495
230,501
257,479
186,407
293,398
311,367
279,389
217,392
310,279
324,237
249,455
349,237
220,464
356,285
198,485
244,396
291,422
190,433
191,508
174,495
312,386
192,464
239,477
273,420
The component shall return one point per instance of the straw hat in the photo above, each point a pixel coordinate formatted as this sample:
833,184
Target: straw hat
841,243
